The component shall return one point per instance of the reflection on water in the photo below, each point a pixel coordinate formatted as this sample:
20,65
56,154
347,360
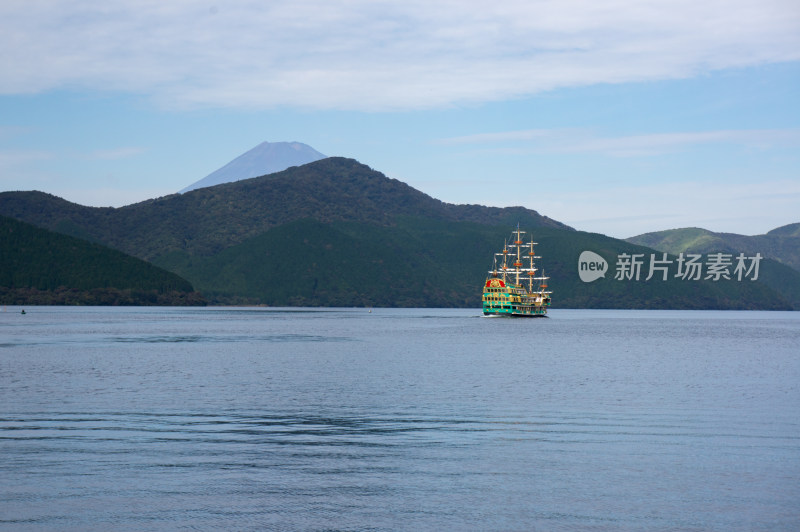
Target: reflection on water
227,339
398,419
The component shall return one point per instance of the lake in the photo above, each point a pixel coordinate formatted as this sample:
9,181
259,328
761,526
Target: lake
398,419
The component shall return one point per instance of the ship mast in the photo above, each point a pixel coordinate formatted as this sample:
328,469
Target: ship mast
504,254
518,262
532,270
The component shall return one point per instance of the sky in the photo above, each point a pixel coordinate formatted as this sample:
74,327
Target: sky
613,116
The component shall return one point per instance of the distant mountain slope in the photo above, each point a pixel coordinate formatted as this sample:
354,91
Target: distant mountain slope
781,244
207,220
266,158
41,266
786,230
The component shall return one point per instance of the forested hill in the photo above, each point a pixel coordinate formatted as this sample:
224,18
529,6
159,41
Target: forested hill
205,221
38,266
781,244
421,262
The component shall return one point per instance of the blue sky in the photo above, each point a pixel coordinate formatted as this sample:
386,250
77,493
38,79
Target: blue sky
617,117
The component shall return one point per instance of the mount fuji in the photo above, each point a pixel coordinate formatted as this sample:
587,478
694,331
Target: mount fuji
266,158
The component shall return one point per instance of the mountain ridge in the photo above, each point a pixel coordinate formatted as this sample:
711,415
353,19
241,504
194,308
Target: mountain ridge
786,230
207,220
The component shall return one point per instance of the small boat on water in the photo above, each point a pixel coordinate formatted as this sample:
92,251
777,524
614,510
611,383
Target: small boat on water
512,287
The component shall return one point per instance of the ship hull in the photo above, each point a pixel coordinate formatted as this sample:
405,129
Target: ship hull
513,315
515,312
513,301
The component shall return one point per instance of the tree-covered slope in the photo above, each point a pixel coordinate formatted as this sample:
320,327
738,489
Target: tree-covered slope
41,266
424,262
781,244
786,230
205,221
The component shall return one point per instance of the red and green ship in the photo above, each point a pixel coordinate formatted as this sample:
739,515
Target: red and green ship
513,287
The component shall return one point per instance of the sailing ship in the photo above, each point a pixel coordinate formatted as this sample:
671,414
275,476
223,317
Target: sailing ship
513,287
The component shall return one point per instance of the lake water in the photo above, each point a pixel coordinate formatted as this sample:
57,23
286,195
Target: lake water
402,419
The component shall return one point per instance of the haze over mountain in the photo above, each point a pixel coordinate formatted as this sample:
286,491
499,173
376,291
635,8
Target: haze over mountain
266,158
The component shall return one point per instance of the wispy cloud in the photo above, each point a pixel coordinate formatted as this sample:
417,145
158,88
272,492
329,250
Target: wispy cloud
744,208
368,54
585,141
509,136
19,169
114,154
653,144
12,159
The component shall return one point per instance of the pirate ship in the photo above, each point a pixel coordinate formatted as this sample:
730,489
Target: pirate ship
513,287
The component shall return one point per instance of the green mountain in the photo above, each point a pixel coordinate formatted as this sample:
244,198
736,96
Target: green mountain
337,233
782,245
420,262
786,230
207,220
38,266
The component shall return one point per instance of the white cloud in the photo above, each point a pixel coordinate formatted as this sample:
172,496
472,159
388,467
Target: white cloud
653,144
584,141
368,54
